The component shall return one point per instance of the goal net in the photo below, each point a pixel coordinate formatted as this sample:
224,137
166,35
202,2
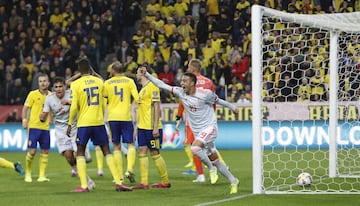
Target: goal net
306,77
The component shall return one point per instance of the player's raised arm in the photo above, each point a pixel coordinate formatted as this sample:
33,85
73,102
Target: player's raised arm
94,73
73,78
157,82
78,75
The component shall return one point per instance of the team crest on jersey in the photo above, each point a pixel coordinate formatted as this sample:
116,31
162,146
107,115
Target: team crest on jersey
155,93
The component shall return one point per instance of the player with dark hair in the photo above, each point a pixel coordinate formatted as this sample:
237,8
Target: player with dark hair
205,83
58,103
119,90
87,101
98,153
198,104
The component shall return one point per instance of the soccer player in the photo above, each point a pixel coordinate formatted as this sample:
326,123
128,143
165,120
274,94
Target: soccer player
119,90
149,132
87,102
100,156
98,153
58,103
198,104
205,83
38,131
12,165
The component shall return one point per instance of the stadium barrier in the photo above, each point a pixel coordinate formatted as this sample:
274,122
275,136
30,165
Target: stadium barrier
235,131
232,135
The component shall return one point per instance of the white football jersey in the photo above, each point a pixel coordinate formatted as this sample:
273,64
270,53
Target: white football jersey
199,109
59,111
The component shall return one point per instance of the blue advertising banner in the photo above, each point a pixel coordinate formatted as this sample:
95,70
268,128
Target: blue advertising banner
231,135
309,134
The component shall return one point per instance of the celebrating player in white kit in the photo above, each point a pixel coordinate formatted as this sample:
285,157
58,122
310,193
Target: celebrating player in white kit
202,119
58,103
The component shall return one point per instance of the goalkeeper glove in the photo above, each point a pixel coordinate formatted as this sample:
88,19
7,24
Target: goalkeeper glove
178,121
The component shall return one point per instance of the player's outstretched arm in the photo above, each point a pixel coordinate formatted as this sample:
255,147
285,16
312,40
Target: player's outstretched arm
78,75
73,78
157,82
94,73
228,105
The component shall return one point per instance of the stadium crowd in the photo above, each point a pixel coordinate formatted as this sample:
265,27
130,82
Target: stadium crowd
49,36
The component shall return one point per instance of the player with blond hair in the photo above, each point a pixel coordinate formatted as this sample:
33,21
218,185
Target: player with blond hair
38,130
119,91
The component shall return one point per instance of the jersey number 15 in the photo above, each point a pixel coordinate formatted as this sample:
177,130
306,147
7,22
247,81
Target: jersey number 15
92,95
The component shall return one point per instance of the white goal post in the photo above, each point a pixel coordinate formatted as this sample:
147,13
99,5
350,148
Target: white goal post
317,131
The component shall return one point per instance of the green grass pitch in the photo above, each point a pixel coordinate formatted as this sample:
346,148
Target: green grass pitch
14,191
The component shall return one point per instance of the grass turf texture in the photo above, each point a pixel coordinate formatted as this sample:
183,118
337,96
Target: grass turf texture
14,191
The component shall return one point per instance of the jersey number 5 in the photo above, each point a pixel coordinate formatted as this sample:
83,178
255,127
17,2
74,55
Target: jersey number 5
92,95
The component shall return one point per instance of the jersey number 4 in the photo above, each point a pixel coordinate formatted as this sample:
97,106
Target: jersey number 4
120,92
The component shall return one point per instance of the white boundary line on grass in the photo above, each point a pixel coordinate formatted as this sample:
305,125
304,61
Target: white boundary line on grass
224,200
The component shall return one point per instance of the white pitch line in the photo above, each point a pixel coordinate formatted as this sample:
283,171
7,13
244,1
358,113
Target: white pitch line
224,200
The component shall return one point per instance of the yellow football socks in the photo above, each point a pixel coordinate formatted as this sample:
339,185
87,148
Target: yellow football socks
81,167
6,164
161,166
111,164
28,162
43,162
131,157
118,162
99,158
144,168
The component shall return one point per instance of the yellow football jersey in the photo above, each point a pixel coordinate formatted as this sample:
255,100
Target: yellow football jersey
87,101
147,95
35,100
118,90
